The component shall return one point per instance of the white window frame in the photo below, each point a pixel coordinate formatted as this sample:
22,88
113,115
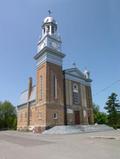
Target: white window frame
55,116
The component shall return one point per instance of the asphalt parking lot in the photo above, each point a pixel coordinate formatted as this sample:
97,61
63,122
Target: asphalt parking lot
98,145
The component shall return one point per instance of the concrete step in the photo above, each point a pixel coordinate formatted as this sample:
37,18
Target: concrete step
70,129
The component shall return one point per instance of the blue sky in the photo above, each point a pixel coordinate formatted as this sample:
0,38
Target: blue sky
90,31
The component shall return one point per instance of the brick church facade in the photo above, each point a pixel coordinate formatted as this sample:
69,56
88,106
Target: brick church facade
60,97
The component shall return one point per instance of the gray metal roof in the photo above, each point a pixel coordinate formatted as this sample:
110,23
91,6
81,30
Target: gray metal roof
24,96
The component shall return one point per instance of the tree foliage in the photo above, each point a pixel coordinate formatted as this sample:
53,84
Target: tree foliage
113,110
8,118
99,117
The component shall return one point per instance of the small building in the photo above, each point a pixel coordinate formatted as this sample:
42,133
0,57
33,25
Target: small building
60,97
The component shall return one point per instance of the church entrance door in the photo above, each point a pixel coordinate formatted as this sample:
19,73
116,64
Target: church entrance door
77,117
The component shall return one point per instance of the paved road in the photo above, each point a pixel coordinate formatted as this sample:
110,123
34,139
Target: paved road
102,145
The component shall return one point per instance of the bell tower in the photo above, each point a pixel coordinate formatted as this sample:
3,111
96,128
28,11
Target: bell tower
50,37
49,82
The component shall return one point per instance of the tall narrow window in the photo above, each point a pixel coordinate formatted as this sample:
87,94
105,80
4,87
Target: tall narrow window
55,87
41,87
53,29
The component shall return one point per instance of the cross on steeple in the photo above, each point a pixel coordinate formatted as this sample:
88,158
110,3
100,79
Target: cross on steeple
49,12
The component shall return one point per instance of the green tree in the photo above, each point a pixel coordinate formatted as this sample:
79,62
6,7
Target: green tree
113,110
99,117
8,117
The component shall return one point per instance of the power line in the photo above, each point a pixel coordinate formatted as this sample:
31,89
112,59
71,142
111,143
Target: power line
109,86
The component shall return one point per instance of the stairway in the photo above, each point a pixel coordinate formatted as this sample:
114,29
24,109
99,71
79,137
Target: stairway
71,129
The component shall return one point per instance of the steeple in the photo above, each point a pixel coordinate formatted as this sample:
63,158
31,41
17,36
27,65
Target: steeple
49,82
50,37
49,45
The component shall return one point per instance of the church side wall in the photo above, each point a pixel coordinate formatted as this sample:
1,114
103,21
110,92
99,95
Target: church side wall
38,117
22,118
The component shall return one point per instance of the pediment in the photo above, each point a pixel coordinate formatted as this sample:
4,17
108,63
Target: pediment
75,72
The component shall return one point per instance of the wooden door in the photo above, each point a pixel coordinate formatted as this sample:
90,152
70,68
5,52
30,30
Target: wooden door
77,117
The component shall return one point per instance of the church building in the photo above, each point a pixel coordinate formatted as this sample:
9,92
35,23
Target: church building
60,97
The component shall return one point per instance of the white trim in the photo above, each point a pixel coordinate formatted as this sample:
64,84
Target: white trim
69,111
84,113
72,78
48,57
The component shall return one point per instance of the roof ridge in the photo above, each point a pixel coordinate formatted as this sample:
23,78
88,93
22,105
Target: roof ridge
27,89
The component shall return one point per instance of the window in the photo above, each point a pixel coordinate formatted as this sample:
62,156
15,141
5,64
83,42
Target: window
75,87
55,87
41,87
76,95
48,29
55,116
53,29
